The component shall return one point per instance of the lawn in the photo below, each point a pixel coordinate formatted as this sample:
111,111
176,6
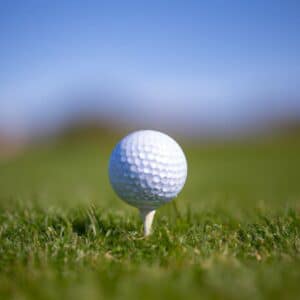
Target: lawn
233,233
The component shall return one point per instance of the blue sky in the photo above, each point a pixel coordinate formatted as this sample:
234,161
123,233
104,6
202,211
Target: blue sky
190,64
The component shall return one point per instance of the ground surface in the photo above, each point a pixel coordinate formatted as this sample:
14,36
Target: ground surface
233,233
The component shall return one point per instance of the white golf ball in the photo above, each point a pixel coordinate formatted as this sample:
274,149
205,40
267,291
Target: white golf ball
147,169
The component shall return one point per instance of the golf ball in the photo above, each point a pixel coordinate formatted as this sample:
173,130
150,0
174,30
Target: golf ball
147,169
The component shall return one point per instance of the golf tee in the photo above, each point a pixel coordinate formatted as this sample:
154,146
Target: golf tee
147,216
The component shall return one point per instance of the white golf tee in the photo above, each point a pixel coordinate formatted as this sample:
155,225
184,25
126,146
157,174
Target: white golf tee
147,216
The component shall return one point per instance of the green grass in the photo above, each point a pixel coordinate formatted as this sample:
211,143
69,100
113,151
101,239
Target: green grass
233,233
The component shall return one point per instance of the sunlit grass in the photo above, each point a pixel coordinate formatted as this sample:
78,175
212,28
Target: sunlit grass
233,233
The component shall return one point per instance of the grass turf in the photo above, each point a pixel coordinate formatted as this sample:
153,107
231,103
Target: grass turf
233,233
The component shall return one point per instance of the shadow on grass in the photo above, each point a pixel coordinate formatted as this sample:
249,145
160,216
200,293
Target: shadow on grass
91,222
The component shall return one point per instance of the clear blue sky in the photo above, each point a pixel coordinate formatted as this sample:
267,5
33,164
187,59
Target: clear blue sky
190,64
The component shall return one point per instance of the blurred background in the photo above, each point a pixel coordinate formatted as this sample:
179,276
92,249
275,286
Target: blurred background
222,78
215,69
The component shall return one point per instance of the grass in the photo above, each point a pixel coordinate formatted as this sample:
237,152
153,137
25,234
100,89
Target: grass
233,233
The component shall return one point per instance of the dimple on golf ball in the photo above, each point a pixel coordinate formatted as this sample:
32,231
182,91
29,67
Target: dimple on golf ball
147,169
